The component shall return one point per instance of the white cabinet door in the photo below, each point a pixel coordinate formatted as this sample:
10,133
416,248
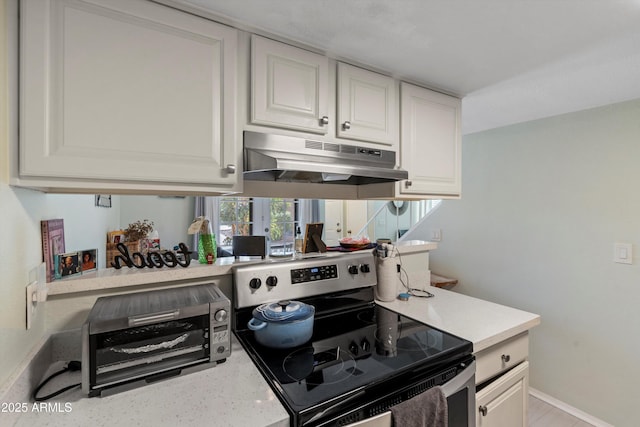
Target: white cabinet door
367,106
355,216
126,91
430,142
289,87
504,402
333,222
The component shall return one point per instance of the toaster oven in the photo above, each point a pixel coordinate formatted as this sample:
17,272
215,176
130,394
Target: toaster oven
134,339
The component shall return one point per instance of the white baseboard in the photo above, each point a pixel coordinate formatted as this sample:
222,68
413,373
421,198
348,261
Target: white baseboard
587,418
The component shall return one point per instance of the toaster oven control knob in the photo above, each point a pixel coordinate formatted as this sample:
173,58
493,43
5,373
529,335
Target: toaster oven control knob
353,348
221,315
352,269
255,283
272,281
365,268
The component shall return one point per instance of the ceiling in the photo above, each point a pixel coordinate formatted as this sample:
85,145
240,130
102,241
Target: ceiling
511,60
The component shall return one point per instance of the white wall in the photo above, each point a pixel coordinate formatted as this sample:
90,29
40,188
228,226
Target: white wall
387,223
20,251
85,227
542,205
171,216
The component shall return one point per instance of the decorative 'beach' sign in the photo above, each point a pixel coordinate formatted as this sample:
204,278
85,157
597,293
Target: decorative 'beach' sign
152,259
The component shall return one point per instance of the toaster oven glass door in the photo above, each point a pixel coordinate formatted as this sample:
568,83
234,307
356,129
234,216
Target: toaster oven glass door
144,351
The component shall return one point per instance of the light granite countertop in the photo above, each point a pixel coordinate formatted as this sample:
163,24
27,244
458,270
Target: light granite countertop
232,393
109,278
482,322
235,394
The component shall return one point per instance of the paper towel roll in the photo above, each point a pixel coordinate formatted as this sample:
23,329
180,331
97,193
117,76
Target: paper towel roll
387,287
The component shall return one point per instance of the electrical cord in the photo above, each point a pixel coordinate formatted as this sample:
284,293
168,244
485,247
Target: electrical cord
415,292
72,366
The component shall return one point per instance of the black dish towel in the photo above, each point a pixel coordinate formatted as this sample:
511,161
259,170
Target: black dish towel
428,409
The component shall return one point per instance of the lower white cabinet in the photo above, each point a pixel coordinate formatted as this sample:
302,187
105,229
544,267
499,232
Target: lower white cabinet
504,401
126,96
501,357
502,372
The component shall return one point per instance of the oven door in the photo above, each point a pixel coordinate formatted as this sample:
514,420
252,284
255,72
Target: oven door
461,402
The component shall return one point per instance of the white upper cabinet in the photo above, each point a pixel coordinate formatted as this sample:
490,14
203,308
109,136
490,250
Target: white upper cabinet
430,142
289,87
430,148
367,106
298,90
126,95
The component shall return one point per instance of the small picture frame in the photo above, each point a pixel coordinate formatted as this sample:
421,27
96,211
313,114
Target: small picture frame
313,238
67,264
88,260
115,236
103,200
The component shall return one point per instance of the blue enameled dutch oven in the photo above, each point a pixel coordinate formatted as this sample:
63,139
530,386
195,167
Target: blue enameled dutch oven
282,324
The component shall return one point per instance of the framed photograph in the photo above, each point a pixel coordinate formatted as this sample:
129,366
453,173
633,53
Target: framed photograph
67,264
313,238
103,200
115,236
88,260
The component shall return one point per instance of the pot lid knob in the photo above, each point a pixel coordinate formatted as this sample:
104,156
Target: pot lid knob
283,304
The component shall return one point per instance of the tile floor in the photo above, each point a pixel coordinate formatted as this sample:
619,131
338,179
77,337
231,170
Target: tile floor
541,414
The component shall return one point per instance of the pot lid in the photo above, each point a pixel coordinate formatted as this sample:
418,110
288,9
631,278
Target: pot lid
283,311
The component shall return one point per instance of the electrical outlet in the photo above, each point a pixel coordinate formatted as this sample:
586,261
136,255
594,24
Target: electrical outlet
36,292
31,293
436,235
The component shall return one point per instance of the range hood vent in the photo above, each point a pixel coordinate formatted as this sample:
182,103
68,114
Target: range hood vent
270,157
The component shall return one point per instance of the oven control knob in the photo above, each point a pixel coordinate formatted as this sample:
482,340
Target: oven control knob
365,345
353,348
365,268
353,269
272,281
221,315
255,283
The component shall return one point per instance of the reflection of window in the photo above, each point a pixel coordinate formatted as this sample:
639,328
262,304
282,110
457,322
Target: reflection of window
283,220
234,215
276,218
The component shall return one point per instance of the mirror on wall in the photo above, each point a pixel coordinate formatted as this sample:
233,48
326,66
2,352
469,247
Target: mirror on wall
341,218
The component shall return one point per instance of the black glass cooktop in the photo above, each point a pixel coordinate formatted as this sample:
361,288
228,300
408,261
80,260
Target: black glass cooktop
352,350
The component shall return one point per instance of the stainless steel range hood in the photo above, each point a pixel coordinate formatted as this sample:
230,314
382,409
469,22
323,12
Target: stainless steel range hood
270,157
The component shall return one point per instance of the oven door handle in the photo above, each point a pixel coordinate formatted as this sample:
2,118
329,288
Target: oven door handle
468,375
153,318
334,406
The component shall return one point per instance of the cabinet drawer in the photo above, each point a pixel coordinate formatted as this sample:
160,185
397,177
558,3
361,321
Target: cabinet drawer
501,357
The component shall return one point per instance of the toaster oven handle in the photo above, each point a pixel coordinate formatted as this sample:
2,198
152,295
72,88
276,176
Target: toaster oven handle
153,318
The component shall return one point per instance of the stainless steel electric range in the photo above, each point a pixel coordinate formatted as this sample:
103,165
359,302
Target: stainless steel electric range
362,359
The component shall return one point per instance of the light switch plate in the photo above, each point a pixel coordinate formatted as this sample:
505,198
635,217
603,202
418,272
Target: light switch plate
623,253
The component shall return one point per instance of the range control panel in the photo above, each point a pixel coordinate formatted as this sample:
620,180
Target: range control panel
309,274
255,284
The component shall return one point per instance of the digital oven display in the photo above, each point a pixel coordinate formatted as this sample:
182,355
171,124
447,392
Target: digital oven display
311,274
